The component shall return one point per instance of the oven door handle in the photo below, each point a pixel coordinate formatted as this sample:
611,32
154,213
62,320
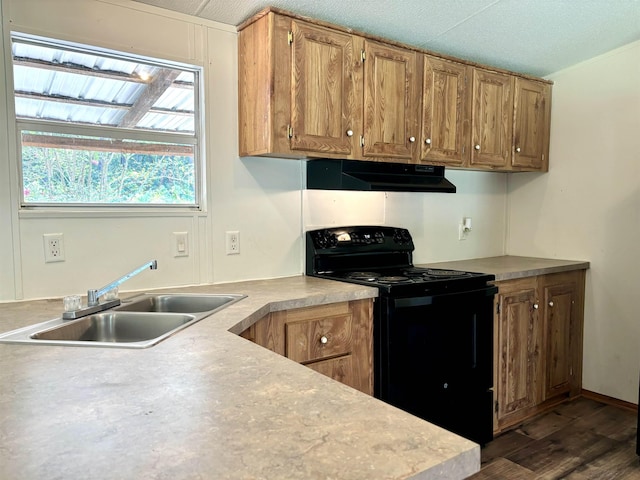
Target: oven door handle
429,299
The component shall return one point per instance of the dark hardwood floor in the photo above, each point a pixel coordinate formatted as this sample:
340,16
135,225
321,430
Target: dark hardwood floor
580,440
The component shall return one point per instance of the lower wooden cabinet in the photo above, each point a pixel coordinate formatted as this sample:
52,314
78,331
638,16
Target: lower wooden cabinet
538,344
517,345
335,339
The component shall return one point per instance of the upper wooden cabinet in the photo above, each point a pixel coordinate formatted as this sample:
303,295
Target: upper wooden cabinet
309,89
510,122
491,119
324,106
390,102
300,89
445,112
532,121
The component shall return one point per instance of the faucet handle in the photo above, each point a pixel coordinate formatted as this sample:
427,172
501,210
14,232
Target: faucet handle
92,297
111,294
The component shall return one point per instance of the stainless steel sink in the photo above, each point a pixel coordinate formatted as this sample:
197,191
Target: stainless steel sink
116,327
177,303
140,322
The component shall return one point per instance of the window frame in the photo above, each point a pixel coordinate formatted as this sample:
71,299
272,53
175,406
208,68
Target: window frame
57,126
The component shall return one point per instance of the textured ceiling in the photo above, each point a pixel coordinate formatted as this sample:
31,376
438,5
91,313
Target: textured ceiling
536,37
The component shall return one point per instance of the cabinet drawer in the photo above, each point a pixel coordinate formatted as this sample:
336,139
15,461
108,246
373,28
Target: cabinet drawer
314,339
340,369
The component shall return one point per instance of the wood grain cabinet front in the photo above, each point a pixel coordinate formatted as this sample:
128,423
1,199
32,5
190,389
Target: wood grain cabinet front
305,90
538,344
517,347
532,125
308,89
335,339
446,110
510,122
300,89
391,104
491,119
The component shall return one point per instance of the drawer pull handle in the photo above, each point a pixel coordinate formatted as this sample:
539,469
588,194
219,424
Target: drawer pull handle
323,339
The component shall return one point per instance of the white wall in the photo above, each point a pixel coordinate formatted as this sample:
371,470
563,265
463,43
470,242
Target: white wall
588,208
432,218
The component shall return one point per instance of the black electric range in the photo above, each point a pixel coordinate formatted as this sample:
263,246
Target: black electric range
433,328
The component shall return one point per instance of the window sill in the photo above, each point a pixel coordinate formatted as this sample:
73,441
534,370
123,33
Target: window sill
109,212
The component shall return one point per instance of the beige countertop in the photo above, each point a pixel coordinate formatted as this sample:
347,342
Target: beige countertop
205,403
508,267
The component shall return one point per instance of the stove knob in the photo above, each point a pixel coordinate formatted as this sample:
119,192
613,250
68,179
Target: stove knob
401,236
332,240
320,239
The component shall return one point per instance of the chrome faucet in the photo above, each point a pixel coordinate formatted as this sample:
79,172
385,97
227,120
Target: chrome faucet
93,295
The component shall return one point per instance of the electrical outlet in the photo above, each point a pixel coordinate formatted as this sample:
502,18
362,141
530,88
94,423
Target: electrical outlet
53,247
180,244
232,243
462,235
464,228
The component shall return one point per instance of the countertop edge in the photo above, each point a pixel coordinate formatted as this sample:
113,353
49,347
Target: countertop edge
510,267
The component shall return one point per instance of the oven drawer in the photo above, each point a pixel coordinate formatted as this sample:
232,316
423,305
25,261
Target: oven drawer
314,339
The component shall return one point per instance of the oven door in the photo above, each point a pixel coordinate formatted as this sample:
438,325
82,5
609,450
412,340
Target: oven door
434,359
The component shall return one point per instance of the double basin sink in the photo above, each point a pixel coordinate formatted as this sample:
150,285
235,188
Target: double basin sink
139,322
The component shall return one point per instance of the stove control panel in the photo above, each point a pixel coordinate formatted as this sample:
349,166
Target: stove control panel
354,237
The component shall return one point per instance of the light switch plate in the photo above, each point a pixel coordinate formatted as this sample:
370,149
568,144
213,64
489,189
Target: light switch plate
180,244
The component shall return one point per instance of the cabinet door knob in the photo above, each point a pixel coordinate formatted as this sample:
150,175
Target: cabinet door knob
428,141
517,149
412,139
477,147
349,133
323,339
535,306
551,303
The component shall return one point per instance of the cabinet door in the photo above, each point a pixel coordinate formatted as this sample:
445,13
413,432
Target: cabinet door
390,102
558,307
532,102
492,119
563,309
445,112
323,94
518,345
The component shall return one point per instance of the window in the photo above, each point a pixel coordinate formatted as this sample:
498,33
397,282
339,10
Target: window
99,128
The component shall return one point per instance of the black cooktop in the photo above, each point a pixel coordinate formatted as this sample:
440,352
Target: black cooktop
380,257
412,280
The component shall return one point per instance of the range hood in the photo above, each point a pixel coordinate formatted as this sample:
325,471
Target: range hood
328,174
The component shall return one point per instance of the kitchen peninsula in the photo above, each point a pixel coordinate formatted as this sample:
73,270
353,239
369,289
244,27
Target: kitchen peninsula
206,403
